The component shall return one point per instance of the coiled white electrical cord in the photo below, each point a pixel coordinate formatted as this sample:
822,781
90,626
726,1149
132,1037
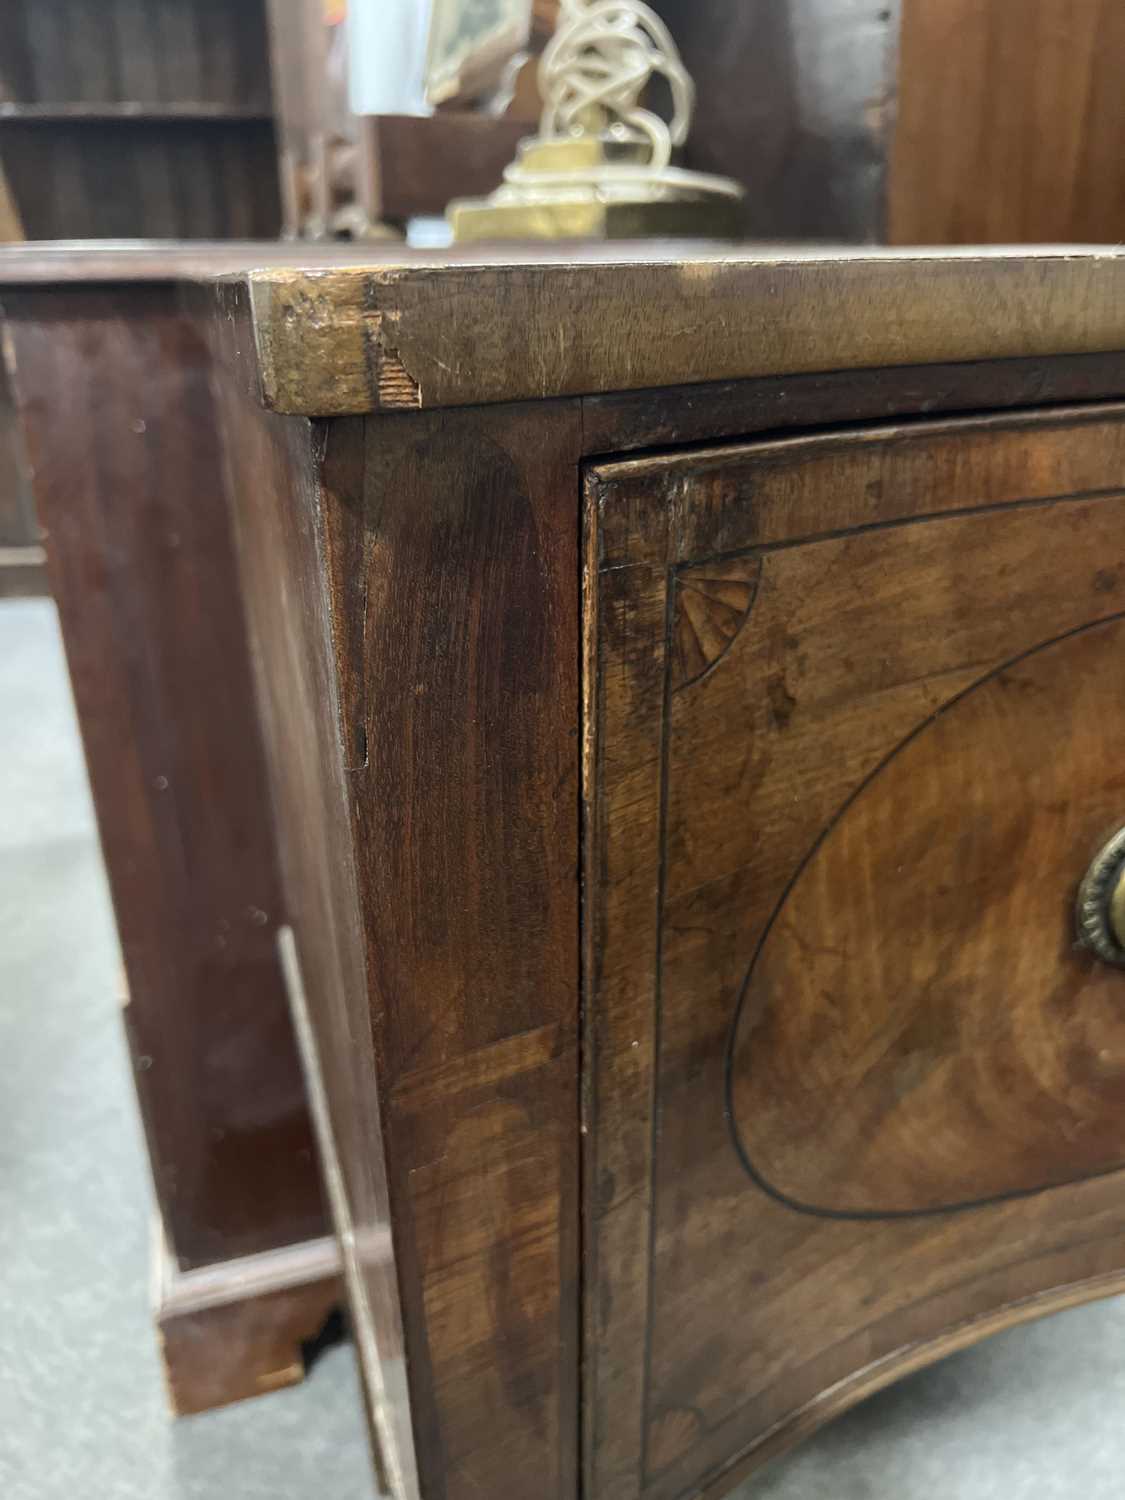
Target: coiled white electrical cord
596,67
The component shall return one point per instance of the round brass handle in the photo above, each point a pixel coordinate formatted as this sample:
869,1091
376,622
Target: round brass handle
1100,910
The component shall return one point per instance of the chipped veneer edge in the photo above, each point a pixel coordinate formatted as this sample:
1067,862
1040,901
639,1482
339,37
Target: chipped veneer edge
355,340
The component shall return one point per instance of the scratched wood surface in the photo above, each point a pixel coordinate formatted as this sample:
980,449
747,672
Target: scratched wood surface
460,700
407,333
442,592
836,815
286,479
418,674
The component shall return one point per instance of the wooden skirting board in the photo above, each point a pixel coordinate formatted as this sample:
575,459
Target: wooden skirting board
236,1329
23,572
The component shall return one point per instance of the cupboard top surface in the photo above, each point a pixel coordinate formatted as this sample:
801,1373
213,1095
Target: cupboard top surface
415,330
86,262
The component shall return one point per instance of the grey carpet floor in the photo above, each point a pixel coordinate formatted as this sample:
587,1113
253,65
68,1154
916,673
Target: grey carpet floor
1034,1414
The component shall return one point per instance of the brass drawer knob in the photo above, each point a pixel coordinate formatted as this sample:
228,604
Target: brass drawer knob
1100,910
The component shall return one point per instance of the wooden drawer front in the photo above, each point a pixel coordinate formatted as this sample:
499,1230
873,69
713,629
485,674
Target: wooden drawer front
855,705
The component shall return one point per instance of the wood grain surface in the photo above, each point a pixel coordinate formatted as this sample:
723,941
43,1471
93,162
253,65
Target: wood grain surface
766,624
288,480
836,815
1010,116
130,485
205,179
94,262
941,889
414,592
429,331
164,50
622,422
116,411
461,691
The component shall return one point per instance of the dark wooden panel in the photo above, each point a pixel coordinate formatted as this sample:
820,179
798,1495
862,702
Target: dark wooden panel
767,626
138,117
65,51
939,467
415,603
687,414
1010,121
792,102
466,821
178,179
423,164
113,389
291,484
15,61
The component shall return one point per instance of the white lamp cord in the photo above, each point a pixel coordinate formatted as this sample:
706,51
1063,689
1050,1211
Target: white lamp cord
596,67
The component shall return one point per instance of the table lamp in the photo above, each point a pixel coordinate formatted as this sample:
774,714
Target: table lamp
338,65
601,165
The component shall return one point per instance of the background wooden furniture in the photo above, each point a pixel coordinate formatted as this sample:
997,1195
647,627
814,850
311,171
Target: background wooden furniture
327,163
799,636
909,123
921,122
932,122
347,170
795,100
116,419
154,118
22,558
1010,118
122,119
11,225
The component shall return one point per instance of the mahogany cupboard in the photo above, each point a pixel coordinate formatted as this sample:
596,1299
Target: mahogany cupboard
693,694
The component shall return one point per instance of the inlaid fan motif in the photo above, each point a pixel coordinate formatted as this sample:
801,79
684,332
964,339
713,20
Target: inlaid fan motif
713,601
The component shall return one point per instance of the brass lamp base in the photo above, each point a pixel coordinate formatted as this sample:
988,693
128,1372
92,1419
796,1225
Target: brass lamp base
597,187
480,219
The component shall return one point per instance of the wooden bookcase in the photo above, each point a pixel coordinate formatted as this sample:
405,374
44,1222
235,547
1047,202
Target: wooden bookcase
138,118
